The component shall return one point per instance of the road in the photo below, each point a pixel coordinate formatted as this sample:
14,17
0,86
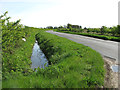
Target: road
104,47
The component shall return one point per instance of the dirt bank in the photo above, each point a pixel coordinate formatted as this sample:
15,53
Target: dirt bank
111,78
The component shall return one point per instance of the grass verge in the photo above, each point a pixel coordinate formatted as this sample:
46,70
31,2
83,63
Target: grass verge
112,38
18,63
72,65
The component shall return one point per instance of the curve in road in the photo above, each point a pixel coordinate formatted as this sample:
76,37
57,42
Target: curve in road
104,47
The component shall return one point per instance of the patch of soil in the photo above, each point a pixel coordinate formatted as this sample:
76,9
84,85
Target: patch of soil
111,78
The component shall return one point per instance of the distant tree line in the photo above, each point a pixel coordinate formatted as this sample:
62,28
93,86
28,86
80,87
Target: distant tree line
112,31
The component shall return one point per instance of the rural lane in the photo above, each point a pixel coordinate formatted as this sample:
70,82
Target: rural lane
104,47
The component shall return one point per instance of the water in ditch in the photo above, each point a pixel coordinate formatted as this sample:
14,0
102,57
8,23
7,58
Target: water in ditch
114,68
38,58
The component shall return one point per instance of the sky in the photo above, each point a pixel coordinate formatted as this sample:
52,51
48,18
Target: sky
43,13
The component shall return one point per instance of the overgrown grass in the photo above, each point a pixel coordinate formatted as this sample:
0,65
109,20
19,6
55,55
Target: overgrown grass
112,38
19,62
72,65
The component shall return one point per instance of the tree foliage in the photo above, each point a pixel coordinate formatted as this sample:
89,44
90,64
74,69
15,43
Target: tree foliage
112,31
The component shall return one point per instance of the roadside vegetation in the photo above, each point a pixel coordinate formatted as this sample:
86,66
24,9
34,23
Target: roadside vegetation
112,33
16,53
71,65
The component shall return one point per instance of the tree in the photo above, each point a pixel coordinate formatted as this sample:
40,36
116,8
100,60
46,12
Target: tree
118,30
60,27
88,30
114,30
11,31
103,29
85,28
55,27
80,27
69,26
97,30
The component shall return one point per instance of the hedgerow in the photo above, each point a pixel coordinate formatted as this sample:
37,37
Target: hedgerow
104,37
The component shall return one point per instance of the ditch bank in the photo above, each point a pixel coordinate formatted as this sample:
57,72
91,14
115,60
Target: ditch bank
76,65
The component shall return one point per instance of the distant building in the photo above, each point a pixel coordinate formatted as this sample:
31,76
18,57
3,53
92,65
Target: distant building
49,27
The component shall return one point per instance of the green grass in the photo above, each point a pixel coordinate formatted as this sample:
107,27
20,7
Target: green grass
72,65
76,64
18,63
112,38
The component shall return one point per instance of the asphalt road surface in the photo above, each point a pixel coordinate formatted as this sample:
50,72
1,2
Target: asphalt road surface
104,47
